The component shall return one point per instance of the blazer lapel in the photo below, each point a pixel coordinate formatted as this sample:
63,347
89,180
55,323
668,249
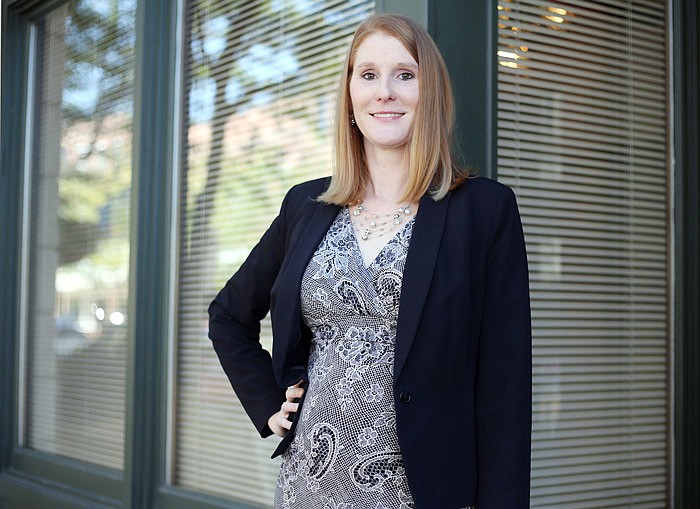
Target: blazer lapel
301,253
287,317
418,273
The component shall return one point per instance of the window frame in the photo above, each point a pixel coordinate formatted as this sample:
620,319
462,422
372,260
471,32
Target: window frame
685,200
467,36
32,477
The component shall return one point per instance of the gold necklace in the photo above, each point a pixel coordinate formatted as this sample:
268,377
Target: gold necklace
369,225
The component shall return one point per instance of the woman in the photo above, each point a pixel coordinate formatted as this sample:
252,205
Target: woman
401,367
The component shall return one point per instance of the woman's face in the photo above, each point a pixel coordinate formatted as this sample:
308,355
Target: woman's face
384,92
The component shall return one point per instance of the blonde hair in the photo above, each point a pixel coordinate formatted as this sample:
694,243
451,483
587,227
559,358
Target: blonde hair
432,164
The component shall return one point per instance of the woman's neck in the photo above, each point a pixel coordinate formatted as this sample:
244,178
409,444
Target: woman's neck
388,173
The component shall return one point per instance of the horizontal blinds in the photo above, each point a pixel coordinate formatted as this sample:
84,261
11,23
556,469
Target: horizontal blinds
582,140
79,270
261,82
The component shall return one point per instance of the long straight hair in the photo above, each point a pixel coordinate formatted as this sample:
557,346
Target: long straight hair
433,167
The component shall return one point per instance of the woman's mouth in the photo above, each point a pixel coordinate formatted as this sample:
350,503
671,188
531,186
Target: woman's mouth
387,115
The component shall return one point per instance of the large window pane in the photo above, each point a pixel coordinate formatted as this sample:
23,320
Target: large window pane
79,248
582,116
261,82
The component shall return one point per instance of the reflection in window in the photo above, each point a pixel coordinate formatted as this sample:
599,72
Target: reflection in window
79,248
261,80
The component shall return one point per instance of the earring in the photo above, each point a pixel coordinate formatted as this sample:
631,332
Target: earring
352,122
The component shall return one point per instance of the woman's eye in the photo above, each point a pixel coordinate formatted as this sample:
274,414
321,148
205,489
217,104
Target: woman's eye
368,76
405,76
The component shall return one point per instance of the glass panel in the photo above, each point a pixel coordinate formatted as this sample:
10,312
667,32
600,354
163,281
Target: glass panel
261,80
79,252
582,116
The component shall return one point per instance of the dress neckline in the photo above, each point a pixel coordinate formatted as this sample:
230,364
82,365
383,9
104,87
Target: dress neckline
390,240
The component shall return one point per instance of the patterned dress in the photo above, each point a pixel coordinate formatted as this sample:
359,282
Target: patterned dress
345,454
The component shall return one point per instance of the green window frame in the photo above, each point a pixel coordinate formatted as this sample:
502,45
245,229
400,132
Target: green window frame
466,33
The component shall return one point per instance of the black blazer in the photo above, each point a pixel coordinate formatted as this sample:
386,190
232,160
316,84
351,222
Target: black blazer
462,372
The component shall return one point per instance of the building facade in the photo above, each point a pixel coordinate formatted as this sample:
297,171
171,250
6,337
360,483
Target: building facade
146,145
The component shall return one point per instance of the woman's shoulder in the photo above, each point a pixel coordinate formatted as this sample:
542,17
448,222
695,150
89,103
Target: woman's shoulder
308,190
477,189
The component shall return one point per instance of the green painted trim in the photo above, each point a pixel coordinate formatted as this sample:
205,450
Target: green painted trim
25,491
151,221
686,107
75,476
15,37
175,498
33,9
466,33
414,9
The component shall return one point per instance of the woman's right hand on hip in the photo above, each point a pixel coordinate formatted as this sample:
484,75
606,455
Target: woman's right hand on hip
281,421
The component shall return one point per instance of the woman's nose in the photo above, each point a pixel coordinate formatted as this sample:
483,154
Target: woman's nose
385,90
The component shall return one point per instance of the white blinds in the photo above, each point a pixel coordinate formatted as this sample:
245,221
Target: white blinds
582,121
261,79
79,247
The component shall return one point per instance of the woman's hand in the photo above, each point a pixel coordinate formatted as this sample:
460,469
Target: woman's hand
279,422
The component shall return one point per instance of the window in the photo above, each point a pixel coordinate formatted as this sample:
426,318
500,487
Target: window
582,139
582,116
261,82
79,248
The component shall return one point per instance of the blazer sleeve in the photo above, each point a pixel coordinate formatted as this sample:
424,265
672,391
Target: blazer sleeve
504,373
234,325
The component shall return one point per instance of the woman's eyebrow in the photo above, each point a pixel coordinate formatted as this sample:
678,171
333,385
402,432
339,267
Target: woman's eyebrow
408,65
402,65
364,65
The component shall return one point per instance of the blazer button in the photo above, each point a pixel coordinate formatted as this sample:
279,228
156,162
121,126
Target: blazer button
405,396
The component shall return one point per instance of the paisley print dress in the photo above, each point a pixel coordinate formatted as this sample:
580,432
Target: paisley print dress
345,454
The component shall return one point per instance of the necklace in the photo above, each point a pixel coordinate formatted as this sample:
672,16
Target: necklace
377,225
